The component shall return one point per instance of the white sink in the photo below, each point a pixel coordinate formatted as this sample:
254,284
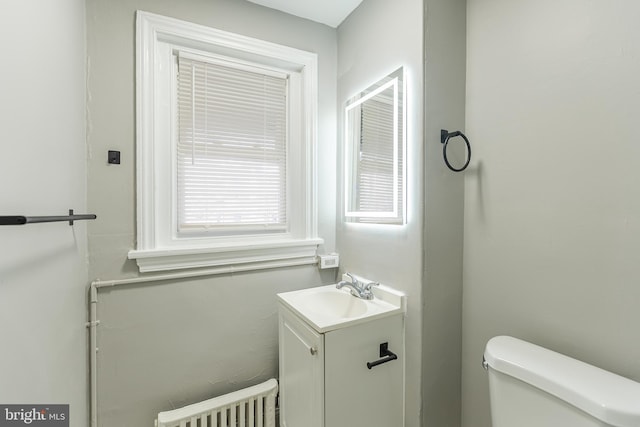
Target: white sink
326,308
329,301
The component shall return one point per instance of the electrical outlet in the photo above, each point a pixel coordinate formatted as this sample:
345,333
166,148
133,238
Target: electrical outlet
329,261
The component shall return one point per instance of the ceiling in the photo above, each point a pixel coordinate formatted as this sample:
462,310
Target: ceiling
328,12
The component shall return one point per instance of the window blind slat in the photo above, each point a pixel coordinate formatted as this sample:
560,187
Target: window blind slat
375,193
231,150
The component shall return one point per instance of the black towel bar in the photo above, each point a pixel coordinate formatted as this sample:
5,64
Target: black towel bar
386,354
21,220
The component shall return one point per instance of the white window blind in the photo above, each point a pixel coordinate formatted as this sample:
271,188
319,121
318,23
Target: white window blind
231,149
376,157
376,163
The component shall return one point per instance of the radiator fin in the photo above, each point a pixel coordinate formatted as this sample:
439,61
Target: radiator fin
249,407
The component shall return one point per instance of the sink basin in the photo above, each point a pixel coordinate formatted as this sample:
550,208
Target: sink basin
326,308
326,301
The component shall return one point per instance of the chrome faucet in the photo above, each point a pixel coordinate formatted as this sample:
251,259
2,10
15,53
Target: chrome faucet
358,288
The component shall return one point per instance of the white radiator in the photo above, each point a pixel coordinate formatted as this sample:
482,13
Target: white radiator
250,407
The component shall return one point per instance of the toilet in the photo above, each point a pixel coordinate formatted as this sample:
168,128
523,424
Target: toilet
531,386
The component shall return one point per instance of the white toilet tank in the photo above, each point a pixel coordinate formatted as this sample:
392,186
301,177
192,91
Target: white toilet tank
531,386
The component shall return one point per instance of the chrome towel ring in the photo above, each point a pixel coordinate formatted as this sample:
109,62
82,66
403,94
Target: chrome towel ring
445,136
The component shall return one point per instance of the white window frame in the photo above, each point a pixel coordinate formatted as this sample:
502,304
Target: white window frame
159,247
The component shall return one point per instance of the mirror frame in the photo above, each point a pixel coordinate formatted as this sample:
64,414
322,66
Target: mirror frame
397,81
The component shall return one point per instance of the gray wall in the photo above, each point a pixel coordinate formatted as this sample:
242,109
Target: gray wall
169,344
111,109
443,212
552,214
164,345
377,38
43,270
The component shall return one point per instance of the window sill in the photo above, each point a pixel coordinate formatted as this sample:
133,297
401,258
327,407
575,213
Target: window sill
229,258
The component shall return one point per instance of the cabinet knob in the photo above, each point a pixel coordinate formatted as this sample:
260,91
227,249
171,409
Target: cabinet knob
313,351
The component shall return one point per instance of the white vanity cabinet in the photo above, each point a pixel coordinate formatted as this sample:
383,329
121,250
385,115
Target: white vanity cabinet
324,377
301,372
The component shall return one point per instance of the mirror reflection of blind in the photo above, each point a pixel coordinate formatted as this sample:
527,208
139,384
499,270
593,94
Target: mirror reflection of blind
375,166
231,149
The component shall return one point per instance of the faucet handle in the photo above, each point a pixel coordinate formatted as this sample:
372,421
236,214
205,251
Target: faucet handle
367,286
353,279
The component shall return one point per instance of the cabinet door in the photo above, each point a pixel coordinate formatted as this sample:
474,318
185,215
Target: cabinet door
356,396
301,373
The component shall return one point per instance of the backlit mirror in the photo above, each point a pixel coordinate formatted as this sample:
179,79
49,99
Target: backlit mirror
374,141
